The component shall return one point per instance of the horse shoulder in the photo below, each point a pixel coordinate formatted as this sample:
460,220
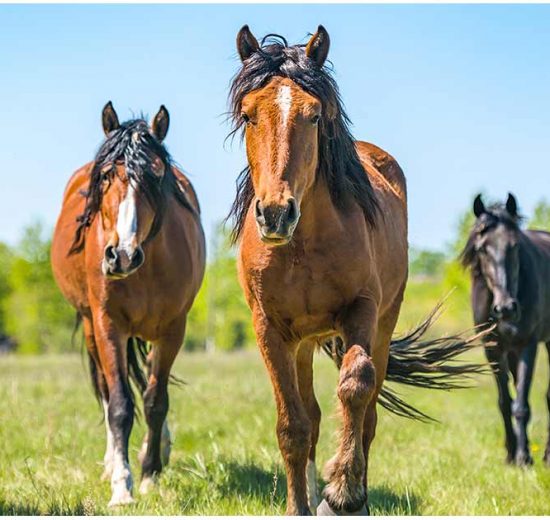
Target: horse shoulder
383,170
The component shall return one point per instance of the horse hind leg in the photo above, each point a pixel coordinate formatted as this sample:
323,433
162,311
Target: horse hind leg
166,436
155,403
304,369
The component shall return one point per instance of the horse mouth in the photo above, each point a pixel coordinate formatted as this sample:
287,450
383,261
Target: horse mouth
275,241
110,274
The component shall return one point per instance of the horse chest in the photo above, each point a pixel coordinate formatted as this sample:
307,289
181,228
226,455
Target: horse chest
299,289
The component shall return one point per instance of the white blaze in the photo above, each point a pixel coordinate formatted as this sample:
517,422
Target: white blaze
127,221
284,100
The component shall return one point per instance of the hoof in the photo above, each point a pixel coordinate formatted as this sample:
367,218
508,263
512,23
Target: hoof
524,460
325,510
147,485
121,499
510,459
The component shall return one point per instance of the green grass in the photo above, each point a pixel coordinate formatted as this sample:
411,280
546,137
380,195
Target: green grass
225,458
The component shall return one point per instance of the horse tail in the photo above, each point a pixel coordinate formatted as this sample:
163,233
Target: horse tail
139,364
425,363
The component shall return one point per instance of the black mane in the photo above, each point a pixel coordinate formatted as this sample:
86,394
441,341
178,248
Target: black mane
134,145
495,214
339,164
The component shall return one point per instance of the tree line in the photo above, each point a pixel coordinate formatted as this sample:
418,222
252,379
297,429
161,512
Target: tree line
35,318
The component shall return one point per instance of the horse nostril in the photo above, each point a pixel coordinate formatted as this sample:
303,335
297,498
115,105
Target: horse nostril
111,254
137,258
259,211
497,309
292,212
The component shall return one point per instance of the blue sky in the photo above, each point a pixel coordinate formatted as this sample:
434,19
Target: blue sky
460,95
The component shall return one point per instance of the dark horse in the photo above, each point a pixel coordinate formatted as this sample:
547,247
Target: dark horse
510,271
128,253
321,221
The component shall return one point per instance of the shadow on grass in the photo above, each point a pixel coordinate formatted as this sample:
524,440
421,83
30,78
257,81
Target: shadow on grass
383,501
270,487
250,479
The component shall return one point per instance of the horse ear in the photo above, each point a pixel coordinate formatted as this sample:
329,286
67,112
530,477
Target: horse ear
160,124
247,44
318,45
479,207
109,119
512,205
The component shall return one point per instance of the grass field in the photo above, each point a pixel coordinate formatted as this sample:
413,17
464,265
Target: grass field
225,458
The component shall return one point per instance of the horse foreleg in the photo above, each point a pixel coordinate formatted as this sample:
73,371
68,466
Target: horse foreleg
98,380
346,491
111,348
293,424
520,407
500,368
304,368
155,403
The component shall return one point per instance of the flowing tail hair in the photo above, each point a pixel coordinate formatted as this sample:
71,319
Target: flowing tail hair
424,363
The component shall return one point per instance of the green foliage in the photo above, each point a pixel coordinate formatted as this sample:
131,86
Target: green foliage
35,312
541,216
220,317
424,262
6,259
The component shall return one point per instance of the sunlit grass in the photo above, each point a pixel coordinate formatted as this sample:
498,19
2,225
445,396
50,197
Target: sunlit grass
225,458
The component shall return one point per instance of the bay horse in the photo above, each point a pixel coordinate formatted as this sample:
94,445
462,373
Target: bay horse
510,273
322,225
128,253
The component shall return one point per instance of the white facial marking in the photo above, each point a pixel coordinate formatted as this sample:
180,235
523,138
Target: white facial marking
127,221
284,100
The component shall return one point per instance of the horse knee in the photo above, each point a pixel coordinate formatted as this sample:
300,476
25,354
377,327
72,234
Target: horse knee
357,378
121,414
521,412
294,437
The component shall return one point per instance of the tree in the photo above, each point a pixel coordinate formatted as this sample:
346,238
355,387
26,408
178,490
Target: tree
6,259
424,262
36,314
220,317
541,216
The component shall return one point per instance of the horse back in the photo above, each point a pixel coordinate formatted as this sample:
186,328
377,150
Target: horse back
383,170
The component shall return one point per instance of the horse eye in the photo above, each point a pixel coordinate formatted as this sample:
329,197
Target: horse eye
245,117
315,119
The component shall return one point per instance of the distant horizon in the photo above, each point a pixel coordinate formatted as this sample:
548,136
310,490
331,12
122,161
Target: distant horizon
458,94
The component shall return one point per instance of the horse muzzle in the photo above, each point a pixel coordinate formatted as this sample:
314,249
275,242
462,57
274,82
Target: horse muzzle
508,311
276,223
120,263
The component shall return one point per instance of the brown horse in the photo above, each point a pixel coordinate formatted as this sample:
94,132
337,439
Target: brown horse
322,226
128,253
